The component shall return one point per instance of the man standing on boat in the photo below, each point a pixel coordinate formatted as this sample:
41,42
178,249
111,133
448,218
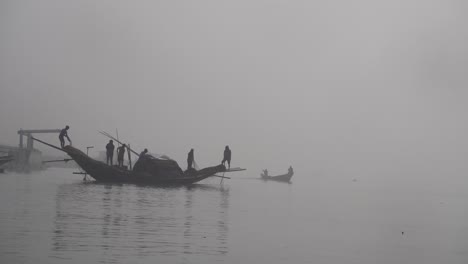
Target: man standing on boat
227,156
190,159
110,152
120,155
62,135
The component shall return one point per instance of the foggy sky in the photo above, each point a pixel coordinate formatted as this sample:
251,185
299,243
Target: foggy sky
330,85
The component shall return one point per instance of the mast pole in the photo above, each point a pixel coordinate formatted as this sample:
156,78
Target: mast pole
129,157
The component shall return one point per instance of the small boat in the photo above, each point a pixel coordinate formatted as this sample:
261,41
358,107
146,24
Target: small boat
147,170
283,178
5,159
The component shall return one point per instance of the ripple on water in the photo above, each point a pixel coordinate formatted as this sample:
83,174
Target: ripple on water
140,221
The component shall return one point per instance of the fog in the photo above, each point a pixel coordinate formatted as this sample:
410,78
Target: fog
332,87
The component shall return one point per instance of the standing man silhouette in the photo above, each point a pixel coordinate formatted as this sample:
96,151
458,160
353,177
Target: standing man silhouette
227,156
190,159
110,152
120,155
64,134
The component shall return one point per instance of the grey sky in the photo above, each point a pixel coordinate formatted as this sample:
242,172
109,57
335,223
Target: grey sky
322,83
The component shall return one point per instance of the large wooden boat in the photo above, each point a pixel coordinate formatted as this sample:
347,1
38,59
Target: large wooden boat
283,178
147,170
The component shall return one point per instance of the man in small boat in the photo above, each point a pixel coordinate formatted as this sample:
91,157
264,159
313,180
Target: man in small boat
110,152
120,155
64,134
190,159
227,156
265,172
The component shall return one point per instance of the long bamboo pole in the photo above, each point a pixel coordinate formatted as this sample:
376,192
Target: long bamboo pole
113,138
50,145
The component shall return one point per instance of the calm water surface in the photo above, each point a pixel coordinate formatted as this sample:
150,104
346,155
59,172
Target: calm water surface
54,217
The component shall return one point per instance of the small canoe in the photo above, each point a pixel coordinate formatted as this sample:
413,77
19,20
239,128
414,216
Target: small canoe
283,178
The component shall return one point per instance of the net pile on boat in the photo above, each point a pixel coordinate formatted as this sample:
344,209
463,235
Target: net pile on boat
149,166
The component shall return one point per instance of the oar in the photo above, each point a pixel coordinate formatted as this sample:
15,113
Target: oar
224,177
65,160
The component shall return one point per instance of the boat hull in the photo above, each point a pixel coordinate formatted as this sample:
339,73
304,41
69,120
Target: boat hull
165,175
282,178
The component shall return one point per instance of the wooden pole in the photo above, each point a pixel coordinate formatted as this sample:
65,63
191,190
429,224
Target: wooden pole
129,157
117,133
113,138
50,145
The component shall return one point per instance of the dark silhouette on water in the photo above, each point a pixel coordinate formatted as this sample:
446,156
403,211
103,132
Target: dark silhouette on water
190,159
147,170
64,134
110,152
227,157
284,178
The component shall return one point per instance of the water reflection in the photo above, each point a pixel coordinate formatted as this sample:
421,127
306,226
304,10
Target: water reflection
118,222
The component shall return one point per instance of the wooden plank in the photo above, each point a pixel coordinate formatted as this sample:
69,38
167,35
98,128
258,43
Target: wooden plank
63,160
50,145
235,169
33,131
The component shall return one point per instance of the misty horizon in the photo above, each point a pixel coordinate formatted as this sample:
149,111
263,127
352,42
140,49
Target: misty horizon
330,84
353,111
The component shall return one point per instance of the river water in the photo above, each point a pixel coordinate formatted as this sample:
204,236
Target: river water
53,216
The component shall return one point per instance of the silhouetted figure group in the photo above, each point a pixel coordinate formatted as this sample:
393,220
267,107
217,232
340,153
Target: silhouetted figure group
226,157
64,134
110,154
121,152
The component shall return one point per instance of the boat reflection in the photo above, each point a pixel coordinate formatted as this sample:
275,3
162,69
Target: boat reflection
116,222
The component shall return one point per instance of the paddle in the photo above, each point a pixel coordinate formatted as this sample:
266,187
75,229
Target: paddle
65,160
